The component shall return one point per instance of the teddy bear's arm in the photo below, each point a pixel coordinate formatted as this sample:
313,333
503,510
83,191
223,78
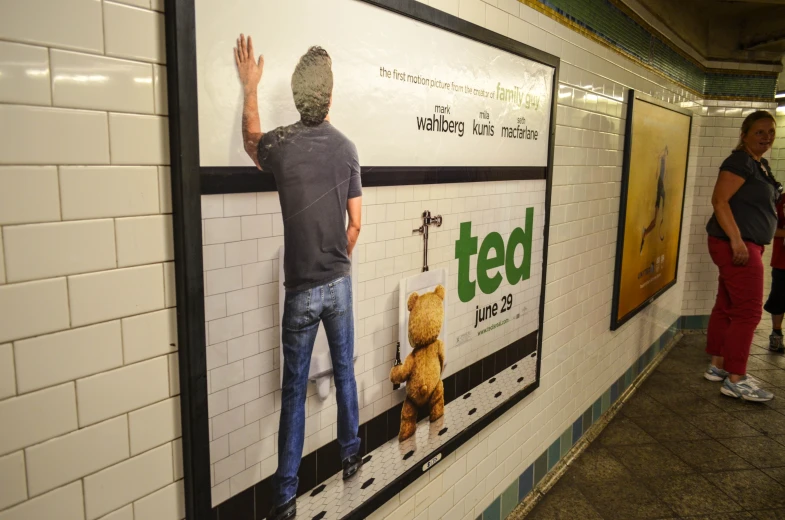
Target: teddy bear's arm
401,373
441,353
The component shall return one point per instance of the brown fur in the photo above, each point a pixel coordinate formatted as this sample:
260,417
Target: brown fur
422,369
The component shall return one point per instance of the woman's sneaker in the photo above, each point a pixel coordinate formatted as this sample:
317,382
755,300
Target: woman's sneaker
775,343
747,389
715,374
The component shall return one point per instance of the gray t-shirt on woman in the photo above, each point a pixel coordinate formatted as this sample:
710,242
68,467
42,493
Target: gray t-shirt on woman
316,170
754,205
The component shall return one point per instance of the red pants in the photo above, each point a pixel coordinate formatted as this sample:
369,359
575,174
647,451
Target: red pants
739,305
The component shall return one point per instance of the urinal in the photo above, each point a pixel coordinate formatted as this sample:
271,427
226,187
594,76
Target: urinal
420,283
321,369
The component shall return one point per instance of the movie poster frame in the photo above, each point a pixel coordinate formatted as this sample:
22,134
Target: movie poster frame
190,181
633,98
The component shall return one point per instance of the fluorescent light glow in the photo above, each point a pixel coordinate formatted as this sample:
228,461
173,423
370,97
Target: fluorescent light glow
779,95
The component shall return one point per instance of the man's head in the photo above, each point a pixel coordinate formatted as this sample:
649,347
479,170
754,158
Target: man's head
312,86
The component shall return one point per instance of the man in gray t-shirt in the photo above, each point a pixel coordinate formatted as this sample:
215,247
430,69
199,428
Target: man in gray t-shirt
317,173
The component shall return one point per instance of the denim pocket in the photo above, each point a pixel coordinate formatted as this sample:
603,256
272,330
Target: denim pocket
341,295
296,310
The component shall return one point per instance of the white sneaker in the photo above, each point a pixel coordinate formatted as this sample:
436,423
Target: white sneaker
747,389
715,374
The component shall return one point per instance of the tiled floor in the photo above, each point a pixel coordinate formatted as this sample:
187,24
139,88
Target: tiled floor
680,449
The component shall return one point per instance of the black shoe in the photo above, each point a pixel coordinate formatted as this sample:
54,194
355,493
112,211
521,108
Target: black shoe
775,343
284,512
351,465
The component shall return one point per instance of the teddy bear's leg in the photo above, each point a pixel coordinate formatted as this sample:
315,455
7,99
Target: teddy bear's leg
437,402
408,420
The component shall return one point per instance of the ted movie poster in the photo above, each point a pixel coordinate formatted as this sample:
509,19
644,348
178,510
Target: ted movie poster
653,196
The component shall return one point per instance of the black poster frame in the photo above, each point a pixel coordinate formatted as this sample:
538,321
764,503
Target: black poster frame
634,97
190,181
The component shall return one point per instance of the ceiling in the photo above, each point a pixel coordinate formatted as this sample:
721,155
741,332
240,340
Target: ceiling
737,30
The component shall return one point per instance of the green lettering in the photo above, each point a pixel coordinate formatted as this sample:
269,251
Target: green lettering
522,272
494,241
465,247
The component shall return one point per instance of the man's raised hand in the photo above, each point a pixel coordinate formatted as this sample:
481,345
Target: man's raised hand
249,69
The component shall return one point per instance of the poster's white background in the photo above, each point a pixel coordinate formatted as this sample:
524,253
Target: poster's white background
378,114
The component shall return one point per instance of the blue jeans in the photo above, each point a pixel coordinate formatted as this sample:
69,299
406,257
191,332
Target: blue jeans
332,305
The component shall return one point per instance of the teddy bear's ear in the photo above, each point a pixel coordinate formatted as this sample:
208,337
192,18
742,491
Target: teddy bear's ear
439,292
412,300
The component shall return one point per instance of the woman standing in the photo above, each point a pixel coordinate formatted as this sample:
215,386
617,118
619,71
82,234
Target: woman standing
743,222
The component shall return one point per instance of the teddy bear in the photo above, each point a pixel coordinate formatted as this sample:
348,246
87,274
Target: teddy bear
422,369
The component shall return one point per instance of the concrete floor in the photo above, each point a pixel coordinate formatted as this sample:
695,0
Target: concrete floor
680,449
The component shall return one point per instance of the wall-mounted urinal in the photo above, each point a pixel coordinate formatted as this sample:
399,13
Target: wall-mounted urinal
321,365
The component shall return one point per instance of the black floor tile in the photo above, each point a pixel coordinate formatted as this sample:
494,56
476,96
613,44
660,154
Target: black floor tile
651,460
760,363
692,495
722,425
596,465
766,421
752,489
684,403
772,359
729,516
776,514
670,427
623,500
564,502
641,406
707,455
623,431
777,474
769,377
761,452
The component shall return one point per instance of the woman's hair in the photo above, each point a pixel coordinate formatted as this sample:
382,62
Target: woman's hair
751,120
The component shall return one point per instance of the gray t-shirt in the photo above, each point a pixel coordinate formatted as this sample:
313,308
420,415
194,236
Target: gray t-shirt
754,205
316,170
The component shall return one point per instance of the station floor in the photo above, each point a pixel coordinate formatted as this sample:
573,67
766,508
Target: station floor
680,449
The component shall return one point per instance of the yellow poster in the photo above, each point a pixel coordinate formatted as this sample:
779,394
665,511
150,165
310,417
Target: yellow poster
651,221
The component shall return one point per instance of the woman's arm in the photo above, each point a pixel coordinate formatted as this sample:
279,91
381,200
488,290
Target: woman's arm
727,185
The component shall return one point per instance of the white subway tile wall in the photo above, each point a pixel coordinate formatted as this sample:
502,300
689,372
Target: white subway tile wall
54,308
88,366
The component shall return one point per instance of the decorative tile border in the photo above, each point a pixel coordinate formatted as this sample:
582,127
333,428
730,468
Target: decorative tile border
613,25
521,487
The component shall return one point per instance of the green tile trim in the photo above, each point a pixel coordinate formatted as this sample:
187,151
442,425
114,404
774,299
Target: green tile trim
565,442
493,511
540,467
509,499
612,24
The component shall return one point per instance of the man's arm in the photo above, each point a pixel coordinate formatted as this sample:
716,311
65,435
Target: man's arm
354,207
250,74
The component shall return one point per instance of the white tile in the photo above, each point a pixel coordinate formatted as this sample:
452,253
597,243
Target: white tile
177,456
237,204
144,240
29,309
56,358
213,207
165,189
37,417
13,483
65,503
241,301
217,355
124,513
157,5
228,422
257,226
2,259
108,191
71,136
7,373
154,425
222,230
67,458
24,74
243,437
149,335
245,479
128,481
241,253
122,390
174,374
170,288
473,11
137,139
134,33
230,466
70,24
223,280
448,6
36,251
138,3
497,20
115,294
243,393
99,83
226,376
166,504
161,97
243,347
215,307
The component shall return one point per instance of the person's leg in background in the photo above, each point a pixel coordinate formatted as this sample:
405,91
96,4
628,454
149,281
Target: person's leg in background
338,320
719,320
299,327
775,305
744,284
